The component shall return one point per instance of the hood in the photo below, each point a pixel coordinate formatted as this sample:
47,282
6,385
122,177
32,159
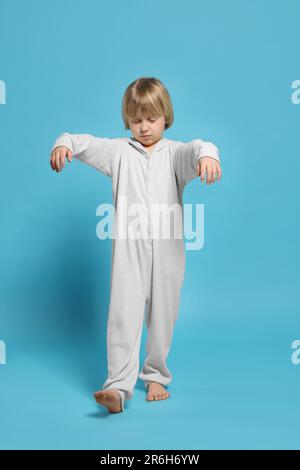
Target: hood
158,146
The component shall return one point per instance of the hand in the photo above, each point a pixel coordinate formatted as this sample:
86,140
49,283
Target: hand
58,157
212,167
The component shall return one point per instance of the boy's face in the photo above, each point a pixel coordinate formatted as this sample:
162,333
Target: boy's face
147,129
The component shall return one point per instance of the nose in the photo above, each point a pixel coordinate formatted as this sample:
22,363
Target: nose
144,127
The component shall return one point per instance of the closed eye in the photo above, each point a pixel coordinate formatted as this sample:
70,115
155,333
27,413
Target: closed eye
151,120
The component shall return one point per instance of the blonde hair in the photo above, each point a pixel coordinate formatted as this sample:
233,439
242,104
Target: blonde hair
150,96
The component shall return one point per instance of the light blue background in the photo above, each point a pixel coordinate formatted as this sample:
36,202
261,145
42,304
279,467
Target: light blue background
229,67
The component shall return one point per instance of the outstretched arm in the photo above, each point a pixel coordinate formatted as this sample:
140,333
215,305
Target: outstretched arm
194,158
101,153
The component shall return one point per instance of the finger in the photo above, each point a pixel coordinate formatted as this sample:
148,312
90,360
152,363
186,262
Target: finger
214,174
69,155
51,162
57,160
219,172
62,159
209,174
202,172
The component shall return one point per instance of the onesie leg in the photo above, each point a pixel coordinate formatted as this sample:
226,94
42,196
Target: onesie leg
160,319
130,277
123,346
164,296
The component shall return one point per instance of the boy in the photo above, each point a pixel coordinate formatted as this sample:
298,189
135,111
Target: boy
147,169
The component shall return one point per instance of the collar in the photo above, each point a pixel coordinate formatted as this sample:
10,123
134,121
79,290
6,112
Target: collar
158,146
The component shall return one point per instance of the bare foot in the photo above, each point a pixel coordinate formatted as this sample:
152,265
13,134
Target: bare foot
109,398
156,391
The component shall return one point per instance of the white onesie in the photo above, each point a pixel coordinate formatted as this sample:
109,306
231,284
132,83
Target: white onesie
144,271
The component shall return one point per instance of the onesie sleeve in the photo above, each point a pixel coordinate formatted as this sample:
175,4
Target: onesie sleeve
101,153
186,156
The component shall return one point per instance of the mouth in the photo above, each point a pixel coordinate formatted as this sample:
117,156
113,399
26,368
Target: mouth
145,136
